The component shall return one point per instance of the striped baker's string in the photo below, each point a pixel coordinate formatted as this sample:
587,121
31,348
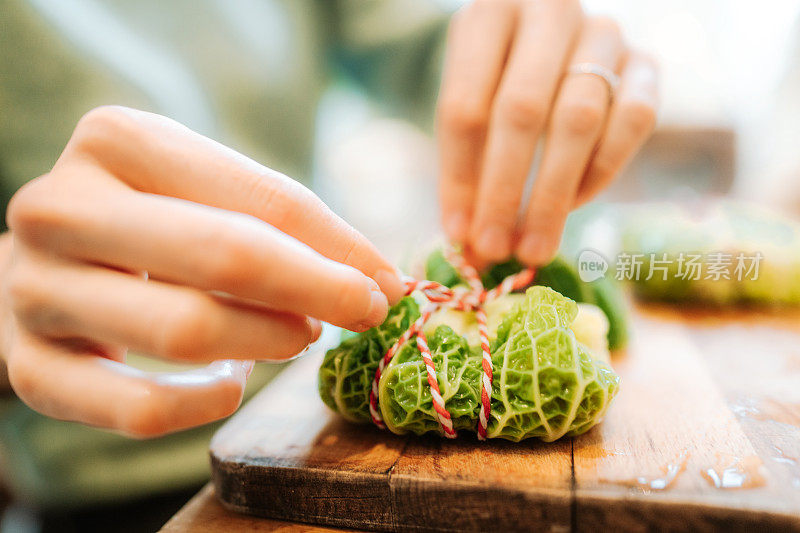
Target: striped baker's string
472,299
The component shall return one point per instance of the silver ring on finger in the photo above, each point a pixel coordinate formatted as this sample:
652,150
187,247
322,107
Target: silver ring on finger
604,73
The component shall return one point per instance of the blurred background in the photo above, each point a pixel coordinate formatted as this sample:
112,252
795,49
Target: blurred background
729,119
340,95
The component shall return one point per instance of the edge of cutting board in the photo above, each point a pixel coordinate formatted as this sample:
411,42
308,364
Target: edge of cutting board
384,502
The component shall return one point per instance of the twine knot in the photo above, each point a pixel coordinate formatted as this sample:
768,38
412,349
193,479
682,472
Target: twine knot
471,298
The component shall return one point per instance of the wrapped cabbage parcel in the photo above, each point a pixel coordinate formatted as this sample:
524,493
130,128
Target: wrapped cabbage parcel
548,381
720,253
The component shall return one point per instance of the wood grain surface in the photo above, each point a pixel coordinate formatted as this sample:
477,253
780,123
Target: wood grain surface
704,435
204,514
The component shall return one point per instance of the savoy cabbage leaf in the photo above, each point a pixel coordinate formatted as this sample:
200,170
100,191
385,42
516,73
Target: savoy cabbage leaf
547,383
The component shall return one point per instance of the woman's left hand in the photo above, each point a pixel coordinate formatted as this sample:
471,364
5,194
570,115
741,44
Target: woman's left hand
512,75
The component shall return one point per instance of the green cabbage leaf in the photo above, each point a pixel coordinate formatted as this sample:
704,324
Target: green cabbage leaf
547,382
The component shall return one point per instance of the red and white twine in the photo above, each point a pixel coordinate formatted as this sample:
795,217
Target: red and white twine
439,296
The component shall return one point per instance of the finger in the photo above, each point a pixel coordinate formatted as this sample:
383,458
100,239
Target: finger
69,301
85,388
578,116
154,154
545,35
630,122
477,47
204,247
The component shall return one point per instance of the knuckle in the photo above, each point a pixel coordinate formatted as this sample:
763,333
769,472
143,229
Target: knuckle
464,117
481,6
101,126
232,265
500,210
474,13
32,303
522,110
31,211
286,201
603,167
569,13
21,376
550,202
548,215
350,249
604,24
190,330
21,291
639,118
582,118
103,119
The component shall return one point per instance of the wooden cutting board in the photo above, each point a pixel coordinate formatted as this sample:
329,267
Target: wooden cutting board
706,401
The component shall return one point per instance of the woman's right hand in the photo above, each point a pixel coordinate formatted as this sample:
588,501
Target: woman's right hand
148,236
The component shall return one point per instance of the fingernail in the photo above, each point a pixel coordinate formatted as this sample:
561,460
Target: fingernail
392,285
494,243
378,308
534,250
456,226
316,329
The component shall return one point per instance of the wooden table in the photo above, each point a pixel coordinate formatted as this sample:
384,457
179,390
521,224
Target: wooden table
706,399
204,514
